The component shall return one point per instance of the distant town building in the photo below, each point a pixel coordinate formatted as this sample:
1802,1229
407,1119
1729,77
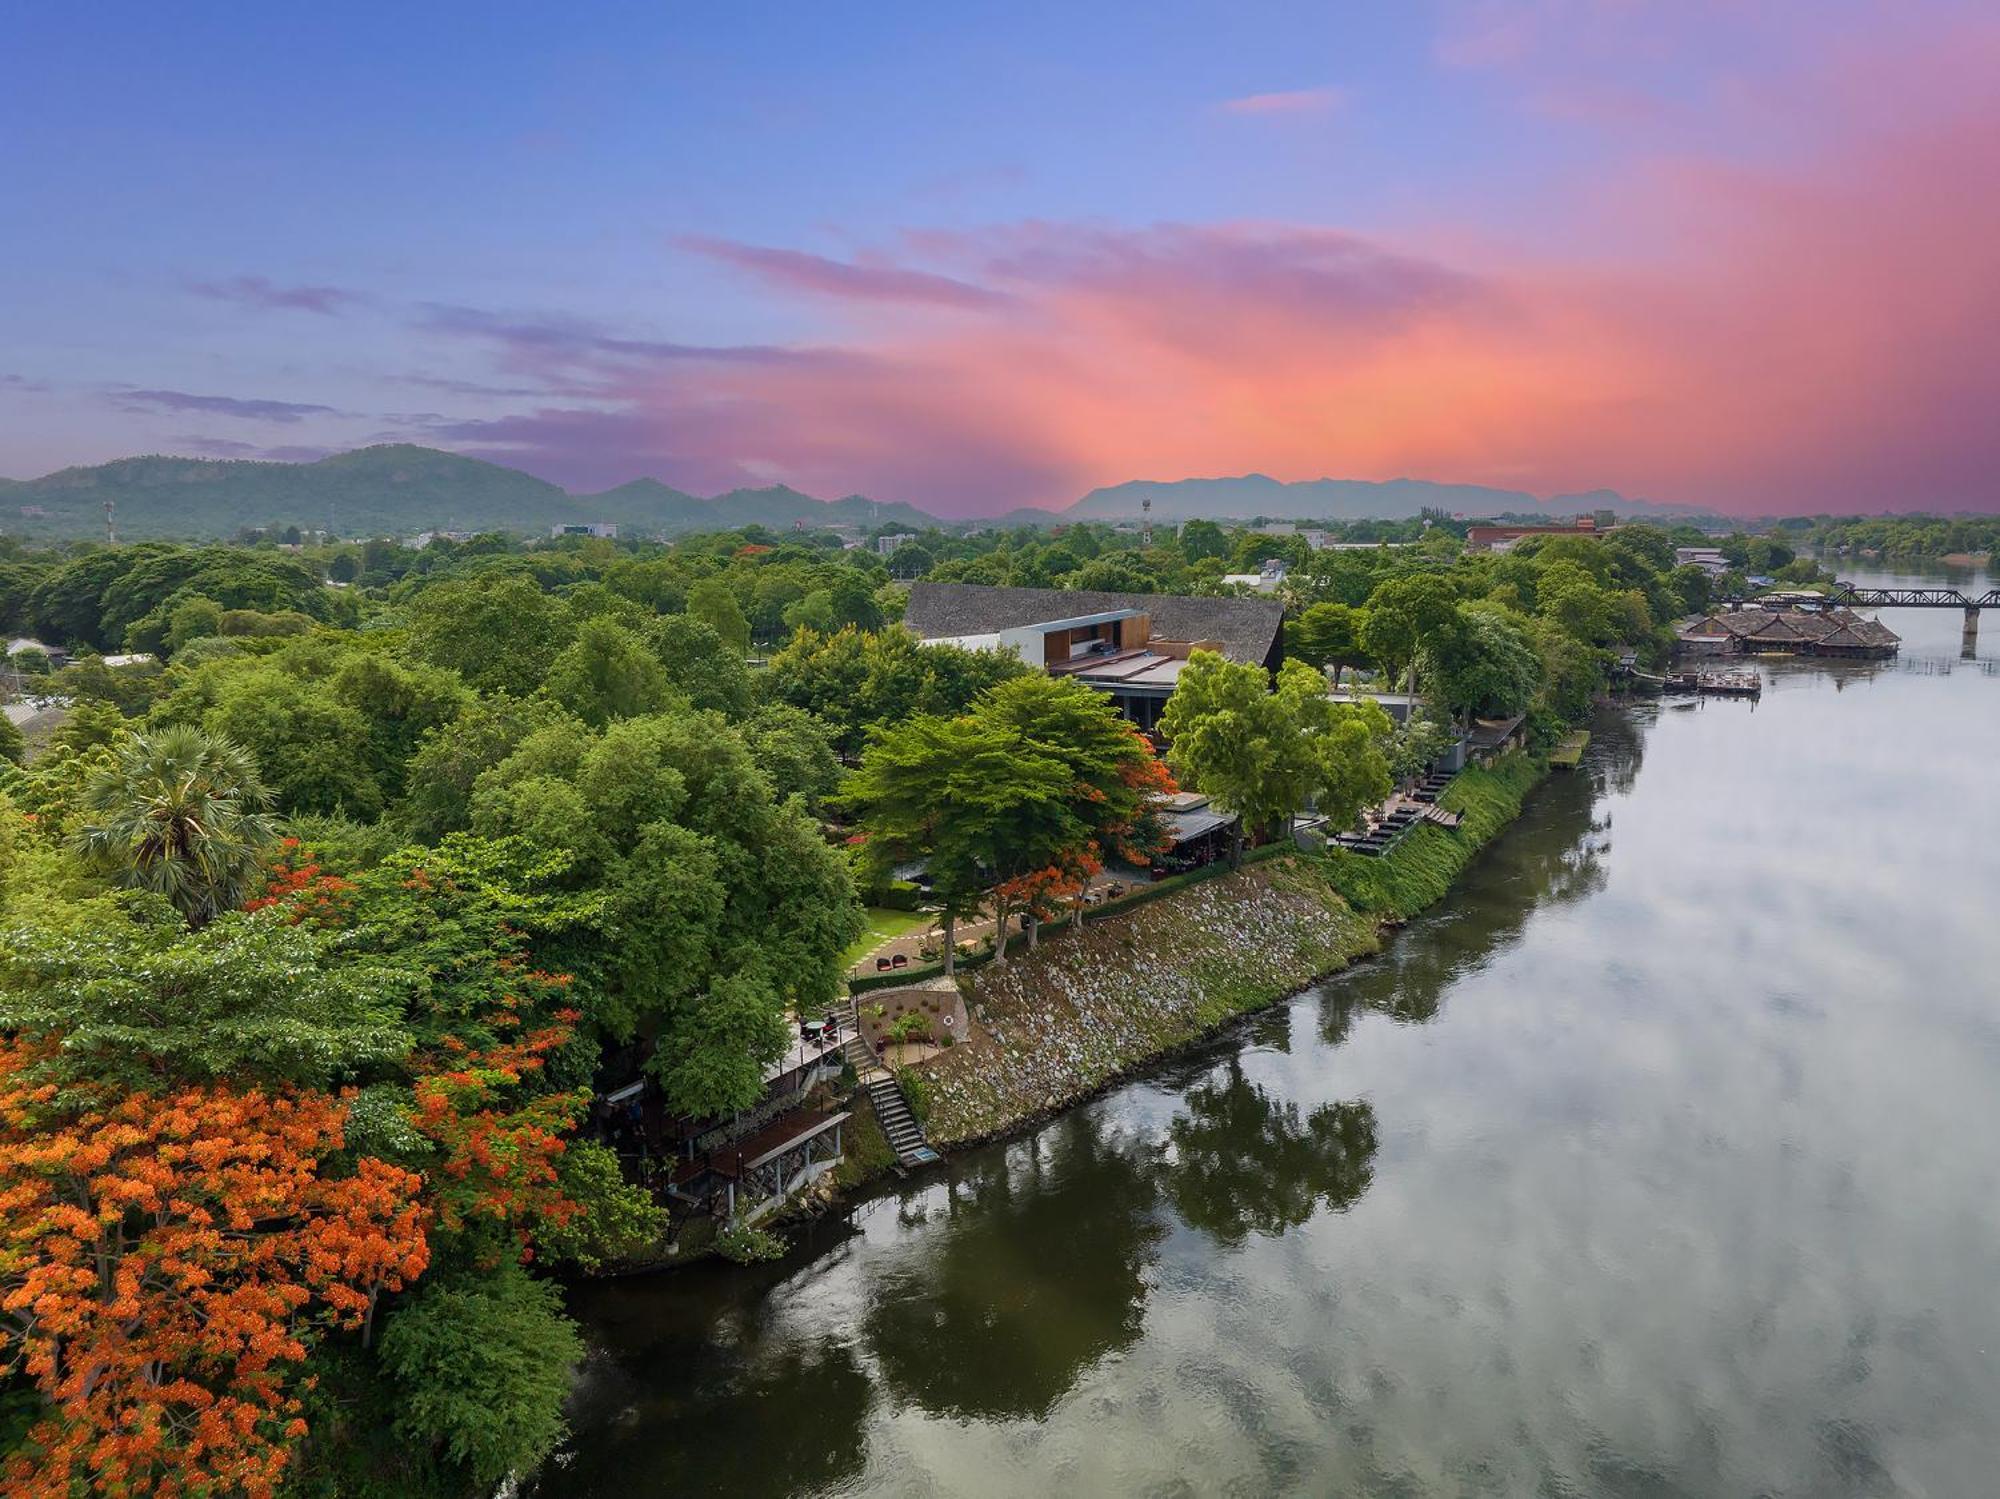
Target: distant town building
885,545
1494,537
1265,580
58,658
424,538
1709,559
602,529
1130,646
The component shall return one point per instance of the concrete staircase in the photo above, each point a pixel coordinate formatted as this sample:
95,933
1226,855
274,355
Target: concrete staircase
892,1112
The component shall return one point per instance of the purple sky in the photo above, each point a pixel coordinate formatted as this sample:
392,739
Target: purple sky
1723,254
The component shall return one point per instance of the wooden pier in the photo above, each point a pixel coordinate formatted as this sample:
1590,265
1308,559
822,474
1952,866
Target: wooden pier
1715,683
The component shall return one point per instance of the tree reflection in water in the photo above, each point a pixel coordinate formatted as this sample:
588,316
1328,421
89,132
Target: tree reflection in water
1553,856
715,1434
1036,1272
1246,1162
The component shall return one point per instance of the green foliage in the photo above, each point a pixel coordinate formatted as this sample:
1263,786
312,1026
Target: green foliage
247,999
1485,666
1267,755
607,673
747,1245
180,813
854,681
617,1221
916,1092
795,752
718,904
481,1365
1404,615
502,635
700,666
713,602
453,755
13,747
1419,870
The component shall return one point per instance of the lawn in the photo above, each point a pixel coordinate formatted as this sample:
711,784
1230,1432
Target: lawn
885,925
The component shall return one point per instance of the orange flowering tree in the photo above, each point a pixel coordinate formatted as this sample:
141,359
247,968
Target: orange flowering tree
166,1261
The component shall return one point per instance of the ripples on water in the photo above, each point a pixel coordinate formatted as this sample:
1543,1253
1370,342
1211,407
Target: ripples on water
1658,1161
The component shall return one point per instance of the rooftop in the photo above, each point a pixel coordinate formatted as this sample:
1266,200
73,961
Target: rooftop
1246,629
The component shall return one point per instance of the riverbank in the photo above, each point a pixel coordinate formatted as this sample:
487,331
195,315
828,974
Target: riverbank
1054,1026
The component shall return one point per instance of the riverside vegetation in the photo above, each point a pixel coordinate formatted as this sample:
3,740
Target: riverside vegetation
318,927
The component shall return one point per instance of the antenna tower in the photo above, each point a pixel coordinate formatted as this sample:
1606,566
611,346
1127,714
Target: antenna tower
110,522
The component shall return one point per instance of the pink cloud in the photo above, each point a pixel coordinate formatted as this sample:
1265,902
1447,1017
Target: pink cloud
258,291
796,270
1813,333
1304,101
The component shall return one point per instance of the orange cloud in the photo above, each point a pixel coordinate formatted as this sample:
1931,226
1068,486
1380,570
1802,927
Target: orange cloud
1809,334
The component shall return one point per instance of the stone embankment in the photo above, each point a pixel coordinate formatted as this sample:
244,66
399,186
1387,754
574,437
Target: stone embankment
1053,1026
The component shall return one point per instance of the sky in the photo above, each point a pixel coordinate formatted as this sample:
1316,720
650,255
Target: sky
1742,254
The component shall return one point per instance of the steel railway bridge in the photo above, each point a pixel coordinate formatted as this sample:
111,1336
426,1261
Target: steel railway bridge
1853,596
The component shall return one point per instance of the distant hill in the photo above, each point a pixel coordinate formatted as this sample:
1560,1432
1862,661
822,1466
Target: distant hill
392,490
1331,499
400,489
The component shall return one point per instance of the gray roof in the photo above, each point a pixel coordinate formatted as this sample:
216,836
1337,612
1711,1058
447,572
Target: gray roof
1246,629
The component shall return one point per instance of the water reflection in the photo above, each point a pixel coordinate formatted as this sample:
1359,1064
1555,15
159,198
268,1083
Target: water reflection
713,1406
1243,1161
1556,856
1650,1170
1036,1272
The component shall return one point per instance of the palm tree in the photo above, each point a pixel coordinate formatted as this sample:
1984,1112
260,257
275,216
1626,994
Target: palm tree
182,813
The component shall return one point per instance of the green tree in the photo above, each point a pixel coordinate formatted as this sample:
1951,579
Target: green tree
1118,574
714,603
181,813
1330,636
1113,775
713,907
453,755
700,667
1268,755
967,796
499,635
1229,736
1404,615
1487,666
795,751
482,1361
249,999
608,672
1203,538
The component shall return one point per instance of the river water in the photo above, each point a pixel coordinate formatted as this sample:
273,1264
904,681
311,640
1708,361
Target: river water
1659,1160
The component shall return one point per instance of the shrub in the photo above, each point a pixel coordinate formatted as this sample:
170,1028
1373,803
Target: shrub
746,1244
898,895
916,1093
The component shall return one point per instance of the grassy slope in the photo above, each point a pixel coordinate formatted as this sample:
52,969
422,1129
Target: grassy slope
1420,870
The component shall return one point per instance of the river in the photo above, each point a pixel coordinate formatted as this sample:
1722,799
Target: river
1659,1160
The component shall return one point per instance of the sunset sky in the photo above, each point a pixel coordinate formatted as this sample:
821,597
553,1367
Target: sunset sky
1743,255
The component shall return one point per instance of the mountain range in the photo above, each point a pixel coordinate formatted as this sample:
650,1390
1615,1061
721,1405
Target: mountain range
399,489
